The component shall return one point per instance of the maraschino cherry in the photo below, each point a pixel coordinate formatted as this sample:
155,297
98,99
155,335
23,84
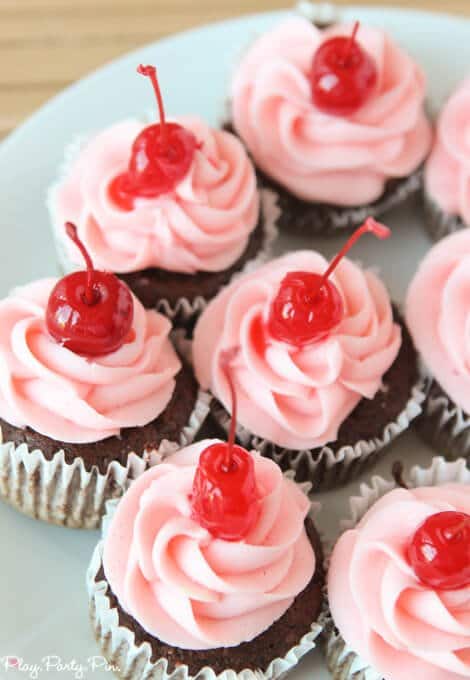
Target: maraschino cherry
224,497
308,306
440,551
89,312
343,75
160,158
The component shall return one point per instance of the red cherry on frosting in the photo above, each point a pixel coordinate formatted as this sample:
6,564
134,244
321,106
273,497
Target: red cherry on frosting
160,158
308,306
89,312
440,551
224,497
343,75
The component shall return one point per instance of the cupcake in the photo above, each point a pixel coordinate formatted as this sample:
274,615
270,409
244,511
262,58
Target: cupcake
399,580
172,208
438,316
207,571
92,393
325,371
446,178
334,121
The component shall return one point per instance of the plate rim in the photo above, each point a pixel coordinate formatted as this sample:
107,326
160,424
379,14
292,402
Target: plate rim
97,72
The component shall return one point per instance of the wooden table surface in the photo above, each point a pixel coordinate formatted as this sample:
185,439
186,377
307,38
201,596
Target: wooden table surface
47,44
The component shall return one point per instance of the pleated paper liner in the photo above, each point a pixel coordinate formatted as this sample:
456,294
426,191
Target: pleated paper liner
342,661
68,494
134,660
325,467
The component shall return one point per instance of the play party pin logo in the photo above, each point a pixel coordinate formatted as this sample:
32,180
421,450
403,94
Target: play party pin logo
51,665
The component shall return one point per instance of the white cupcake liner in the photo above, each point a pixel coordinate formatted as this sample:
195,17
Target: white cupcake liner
324,467
343,662
134,660
183,311
321,14
444,425
439,224
68,494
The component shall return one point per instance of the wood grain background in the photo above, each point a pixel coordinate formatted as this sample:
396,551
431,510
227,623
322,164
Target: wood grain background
47,44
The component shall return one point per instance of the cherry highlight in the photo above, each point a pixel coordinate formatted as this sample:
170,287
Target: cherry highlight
224,498
89,312
308,306
343,76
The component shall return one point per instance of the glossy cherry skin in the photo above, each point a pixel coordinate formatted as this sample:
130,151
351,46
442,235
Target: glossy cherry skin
304,310
224,497
440,551
341,84
90,329
157,164
161,156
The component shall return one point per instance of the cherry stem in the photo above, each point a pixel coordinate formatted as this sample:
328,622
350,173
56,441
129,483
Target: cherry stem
351,41
369,226
151,72
397,474
226,358
71,229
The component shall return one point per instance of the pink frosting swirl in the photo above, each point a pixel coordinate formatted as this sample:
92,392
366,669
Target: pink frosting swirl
447,174
297,398
192,590
400,627
71,398
318,157
438,314
203,225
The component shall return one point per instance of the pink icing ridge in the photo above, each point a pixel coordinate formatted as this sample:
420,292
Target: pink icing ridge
192,590
71,398
203,225
438,314
447,174
297,398
397,625
318,157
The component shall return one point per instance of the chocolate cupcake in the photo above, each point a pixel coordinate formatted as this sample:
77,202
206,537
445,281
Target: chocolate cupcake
438,316
399,579
172,208
324,369
334,120
178,588
92,393
446,189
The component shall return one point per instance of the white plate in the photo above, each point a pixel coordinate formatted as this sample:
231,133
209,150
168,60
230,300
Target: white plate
42,591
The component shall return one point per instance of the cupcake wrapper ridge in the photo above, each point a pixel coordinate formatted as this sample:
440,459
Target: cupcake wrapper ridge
182,312
439,224
444,425
324,467
132,661
68,494
343,662
329,220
